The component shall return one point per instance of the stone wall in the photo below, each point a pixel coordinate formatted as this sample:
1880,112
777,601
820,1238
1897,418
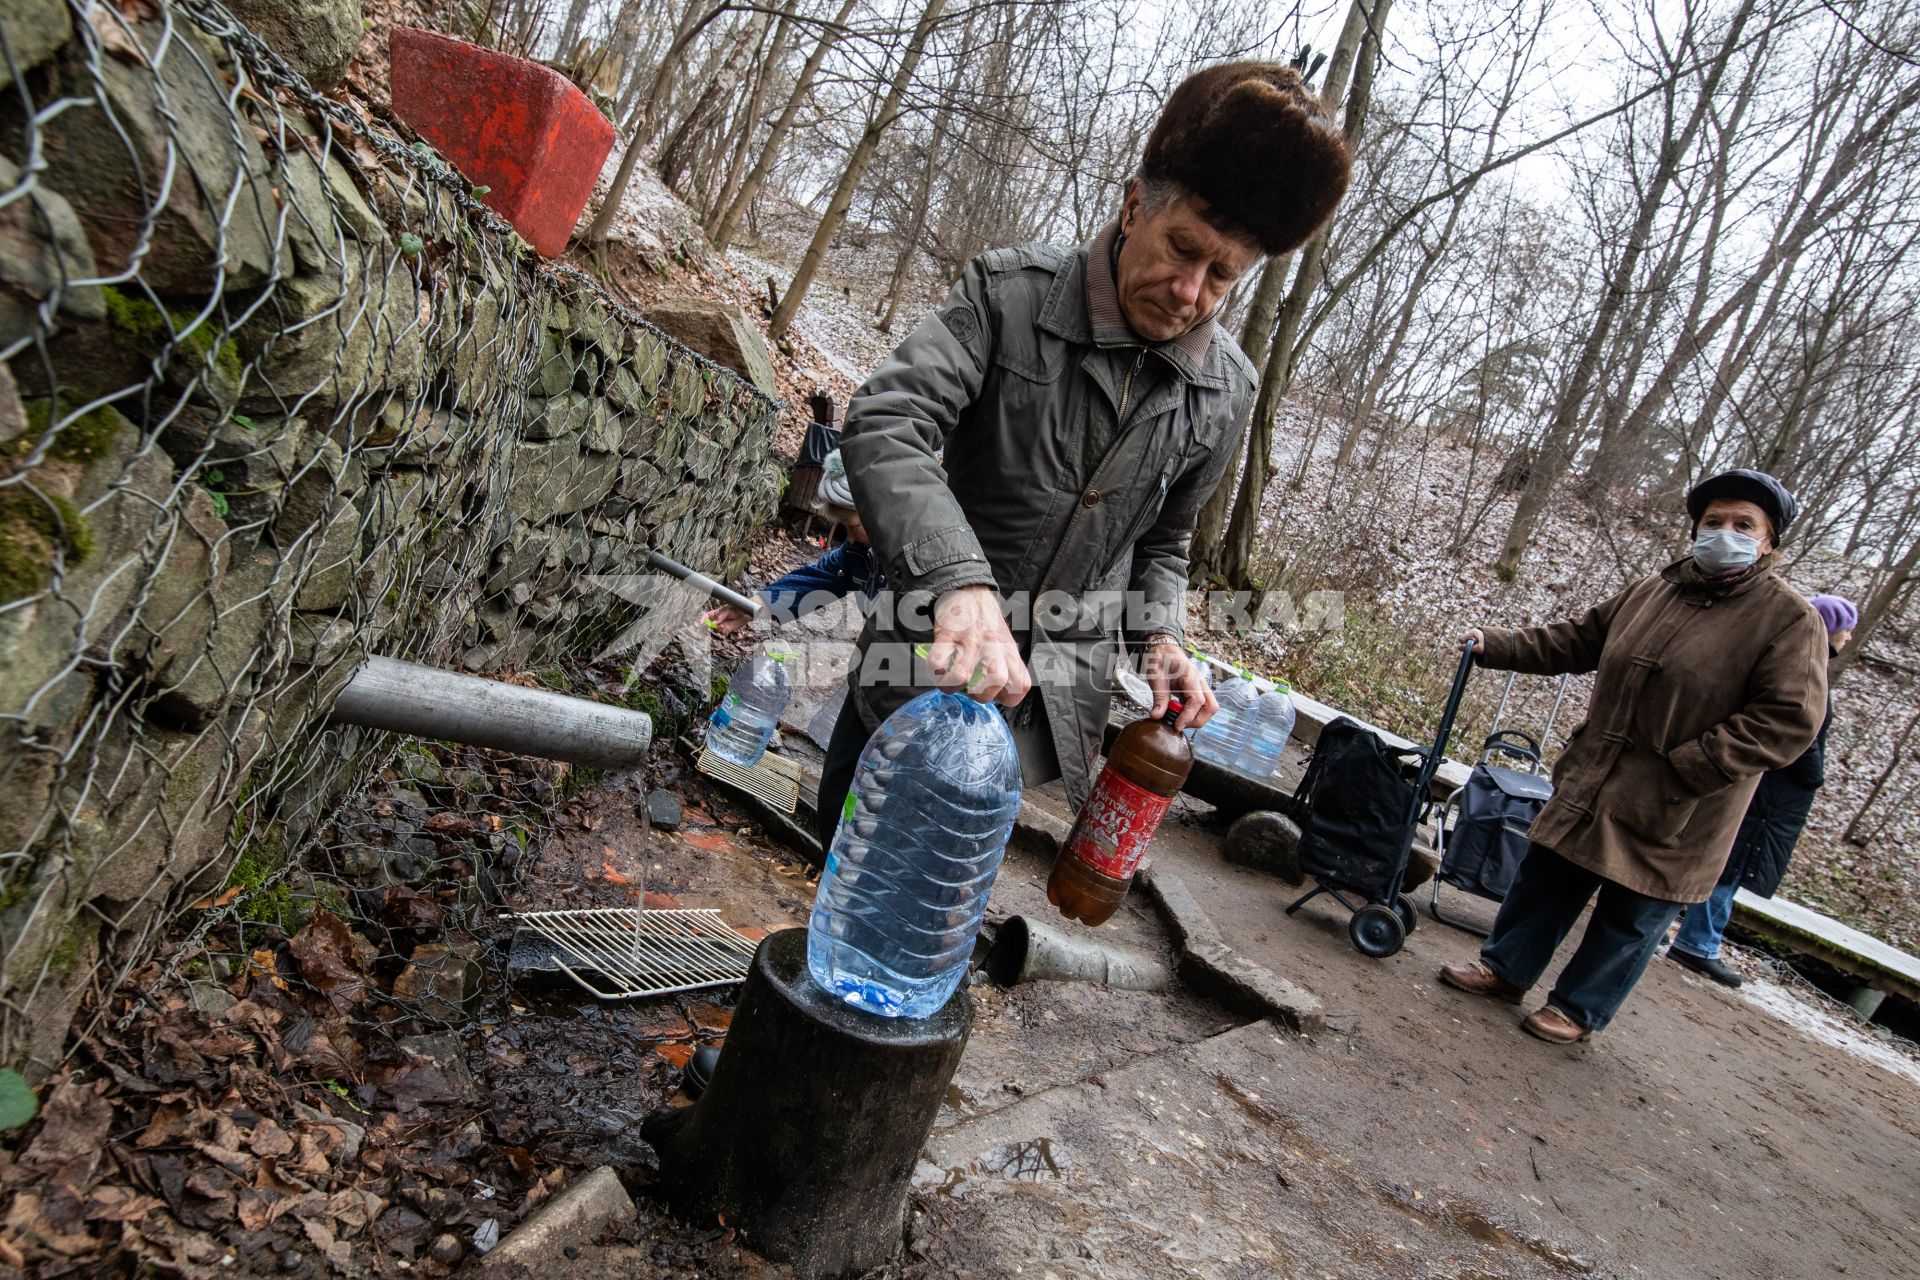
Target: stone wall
275,393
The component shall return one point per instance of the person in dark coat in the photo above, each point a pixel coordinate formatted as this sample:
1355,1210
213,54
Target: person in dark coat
1708,674
1764,845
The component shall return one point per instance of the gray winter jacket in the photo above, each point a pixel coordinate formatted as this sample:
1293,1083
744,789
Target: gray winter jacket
1023,438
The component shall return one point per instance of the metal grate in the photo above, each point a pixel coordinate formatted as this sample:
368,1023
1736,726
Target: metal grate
773,780
640,953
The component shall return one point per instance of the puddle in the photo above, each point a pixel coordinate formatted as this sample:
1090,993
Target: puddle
1828,1028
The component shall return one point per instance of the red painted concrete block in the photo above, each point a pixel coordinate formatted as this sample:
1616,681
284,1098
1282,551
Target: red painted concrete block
518,128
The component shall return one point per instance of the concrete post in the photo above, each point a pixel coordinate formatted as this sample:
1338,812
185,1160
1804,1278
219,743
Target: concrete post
1865,1000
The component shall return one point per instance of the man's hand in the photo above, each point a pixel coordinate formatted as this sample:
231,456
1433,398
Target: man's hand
725,619
1477,638
1169,671
973,651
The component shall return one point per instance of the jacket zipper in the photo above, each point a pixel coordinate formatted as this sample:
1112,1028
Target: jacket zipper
1126,386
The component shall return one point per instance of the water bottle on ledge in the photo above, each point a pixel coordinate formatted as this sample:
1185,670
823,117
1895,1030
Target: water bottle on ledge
1270,724
1220,739
920,840
742,725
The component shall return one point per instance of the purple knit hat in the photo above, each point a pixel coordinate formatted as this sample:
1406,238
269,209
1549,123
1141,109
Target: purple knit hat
1838,612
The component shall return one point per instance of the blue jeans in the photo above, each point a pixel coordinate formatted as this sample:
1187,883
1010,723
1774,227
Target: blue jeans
1546,900
1705,924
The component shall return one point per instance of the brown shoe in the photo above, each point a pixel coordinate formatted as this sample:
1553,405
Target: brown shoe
1553,1026
1478,980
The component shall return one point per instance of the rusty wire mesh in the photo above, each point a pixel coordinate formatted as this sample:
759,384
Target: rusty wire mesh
276,391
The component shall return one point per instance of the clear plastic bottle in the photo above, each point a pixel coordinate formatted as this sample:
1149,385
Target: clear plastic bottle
920,840
1220,739
1269,725
742,725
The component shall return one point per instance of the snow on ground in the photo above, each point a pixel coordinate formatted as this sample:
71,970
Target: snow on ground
1831,1023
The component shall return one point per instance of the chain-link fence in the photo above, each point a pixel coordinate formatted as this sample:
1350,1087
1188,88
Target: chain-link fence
277,392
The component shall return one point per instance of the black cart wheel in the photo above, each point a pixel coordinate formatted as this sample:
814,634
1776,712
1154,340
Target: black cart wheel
1409,913
1376,931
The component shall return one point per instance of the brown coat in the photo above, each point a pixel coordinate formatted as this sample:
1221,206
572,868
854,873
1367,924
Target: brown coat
1699,690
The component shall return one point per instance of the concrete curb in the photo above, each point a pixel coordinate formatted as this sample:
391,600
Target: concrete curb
1037,831
1211,967
576,1216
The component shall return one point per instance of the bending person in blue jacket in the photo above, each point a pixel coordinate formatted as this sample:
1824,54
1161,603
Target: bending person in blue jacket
851,567
1771,828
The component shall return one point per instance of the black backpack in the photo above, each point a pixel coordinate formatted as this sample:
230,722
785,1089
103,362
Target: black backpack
1355,808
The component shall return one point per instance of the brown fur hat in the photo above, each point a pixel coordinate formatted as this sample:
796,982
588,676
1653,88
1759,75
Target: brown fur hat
1253,142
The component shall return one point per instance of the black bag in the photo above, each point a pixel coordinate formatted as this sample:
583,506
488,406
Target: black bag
1353,806
822,438
1489,838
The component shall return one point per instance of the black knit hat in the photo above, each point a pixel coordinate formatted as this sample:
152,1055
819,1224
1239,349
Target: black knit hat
1741,485
1253,142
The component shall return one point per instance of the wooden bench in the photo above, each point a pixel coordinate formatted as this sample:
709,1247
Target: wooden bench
1878,967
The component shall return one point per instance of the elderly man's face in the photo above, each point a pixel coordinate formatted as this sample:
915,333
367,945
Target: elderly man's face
1175,267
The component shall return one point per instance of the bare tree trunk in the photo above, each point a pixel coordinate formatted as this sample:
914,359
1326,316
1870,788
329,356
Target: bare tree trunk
570,29
640,127
1209,558
749,121
676,156
1557,442
1853,834
743,199
856,169
1237,549
923,190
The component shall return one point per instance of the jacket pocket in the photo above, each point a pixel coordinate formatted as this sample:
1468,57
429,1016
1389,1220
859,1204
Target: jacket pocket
1646,798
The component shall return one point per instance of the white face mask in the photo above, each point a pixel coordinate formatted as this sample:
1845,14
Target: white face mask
1719,551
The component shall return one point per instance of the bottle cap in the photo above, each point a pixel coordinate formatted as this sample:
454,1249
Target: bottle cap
1174,706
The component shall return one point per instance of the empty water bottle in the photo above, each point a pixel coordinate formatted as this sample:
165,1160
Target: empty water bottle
920,840
1221,739
742,725
1269,725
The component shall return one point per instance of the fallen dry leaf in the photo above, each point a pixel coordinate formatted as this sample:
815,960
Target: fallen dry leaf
173,1123
269,1139
329,960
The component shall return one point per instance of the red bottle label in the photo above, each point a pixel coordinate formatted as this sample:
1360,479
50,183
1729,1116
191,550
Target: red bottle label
1114,825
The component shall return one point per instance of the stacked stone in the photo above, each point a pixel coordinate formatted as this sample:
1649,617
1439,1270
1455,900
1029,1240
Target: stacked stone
274,395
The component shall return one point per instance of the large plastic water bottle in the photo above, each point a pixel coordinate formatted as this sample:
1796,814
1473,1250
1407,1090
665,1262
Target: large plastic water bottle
1221,739
1269,725
919,843
742,725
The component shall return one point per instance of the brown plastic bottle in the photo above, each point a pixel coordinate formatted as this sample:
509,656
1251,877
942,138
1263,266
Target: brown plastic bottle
1144,771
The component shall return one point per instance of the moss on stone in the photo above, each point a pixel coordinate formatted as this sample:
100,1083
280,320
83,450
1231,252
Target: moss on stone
66,956
32,525
262,857
154,330
87,437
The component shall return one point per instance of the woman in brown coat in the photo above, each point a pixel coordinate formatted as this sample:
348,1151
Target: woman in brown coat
1708,674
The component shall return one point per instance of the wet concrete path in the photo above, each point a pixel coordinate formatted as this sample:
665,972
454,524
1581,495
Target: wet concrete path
1096,1133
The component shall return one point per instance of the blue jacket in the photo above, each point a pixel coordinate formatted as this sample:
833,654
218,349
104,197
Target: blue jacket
847,568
